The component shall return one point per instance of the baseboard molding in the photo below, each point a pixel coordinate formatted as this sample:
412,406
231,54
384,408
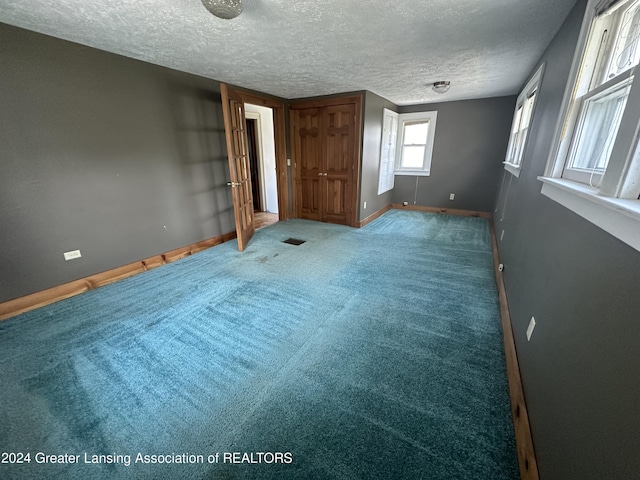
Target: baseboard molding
447,211
373,216
522,428
55,294
419,208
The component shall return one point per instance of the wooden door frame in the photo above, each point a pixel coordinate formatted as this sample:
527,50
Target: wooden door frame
279,128
358,100
259,160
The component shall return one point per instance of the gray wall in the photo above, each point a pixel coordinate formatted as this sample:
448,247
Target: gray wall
581,369
371,138
469,148
100,153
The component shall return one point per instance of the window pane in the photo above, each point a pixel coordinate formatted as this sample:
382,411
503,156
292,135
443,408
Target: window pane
528,110
415,133
519,153
520,137
601,119
626,53
516,120
412,157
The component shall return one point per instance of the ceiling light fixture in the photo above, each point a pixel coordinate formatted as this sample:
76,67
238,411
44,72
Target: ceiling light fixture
226,9
442,86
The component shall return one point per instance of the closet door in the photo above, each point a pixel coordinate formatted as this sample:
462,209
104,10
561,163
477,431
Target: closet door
339,163
308,150
326,143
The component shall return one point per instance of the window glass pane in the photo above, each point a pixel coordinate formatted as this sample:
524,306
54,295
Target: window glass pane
415,133
516,120
601,119
522,139
626,53
412,157
528,110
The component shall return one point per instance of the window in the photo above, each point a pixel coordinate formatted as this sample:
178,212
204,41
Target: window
415,143
521,121
594,167
387,150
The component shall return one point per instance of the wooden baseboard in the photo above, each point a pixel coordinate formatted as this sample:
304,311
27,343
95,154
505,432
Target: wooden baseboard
448,211
419,208
373,216
55,294
524,440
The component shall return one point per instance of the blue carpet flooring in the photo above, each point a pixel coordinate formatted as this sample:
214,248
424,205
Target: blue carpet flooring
371,353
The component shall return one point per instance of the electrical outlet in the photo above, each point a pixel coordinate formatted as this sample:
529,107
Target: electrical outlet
405,203
452,196
532,325
72,255
365,205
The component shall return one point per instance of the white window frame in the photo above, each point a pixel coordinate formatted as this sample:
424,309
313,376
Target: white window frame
612,202
522,121
403,118
388,143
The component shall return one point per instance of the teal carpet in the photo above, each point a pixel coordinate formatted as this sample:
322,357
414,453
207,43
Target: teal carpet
361,354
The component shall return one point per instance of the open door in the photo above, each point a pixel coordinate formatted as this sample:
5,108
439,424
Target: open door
238,154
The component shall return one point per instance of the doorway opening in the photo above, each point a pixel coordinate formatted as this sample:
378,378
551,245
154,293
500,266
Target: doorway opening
262,160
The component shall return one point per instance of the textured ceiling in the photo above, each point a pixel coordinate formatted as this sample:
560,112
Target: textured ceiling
300,48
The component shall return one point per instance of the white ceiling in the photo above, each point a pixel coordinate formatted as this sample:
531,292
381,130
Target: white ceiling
300,48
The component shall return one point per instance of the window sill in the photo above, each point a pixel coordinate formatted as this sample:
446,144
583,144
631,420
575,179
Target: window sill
512,169
619,217
414,173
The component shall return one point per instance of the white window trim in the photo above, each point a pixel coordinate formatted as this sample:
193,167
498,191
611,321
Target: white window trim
533,85
388,143
431,117
618,216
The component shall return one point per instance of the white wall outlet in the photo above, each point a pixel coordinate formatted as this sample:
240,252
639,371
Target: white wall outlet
72,254
405,203
502,235
532,325
501,267
452,196
365,205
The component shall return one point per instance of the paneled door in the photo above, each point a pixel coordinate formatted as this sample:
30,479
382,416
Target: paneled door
326,149
238,155
339,163
308,152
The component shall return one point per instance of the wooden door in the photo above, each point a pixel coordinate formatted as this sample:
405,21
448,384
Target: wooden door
308,148
340,161
240,172
326,142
